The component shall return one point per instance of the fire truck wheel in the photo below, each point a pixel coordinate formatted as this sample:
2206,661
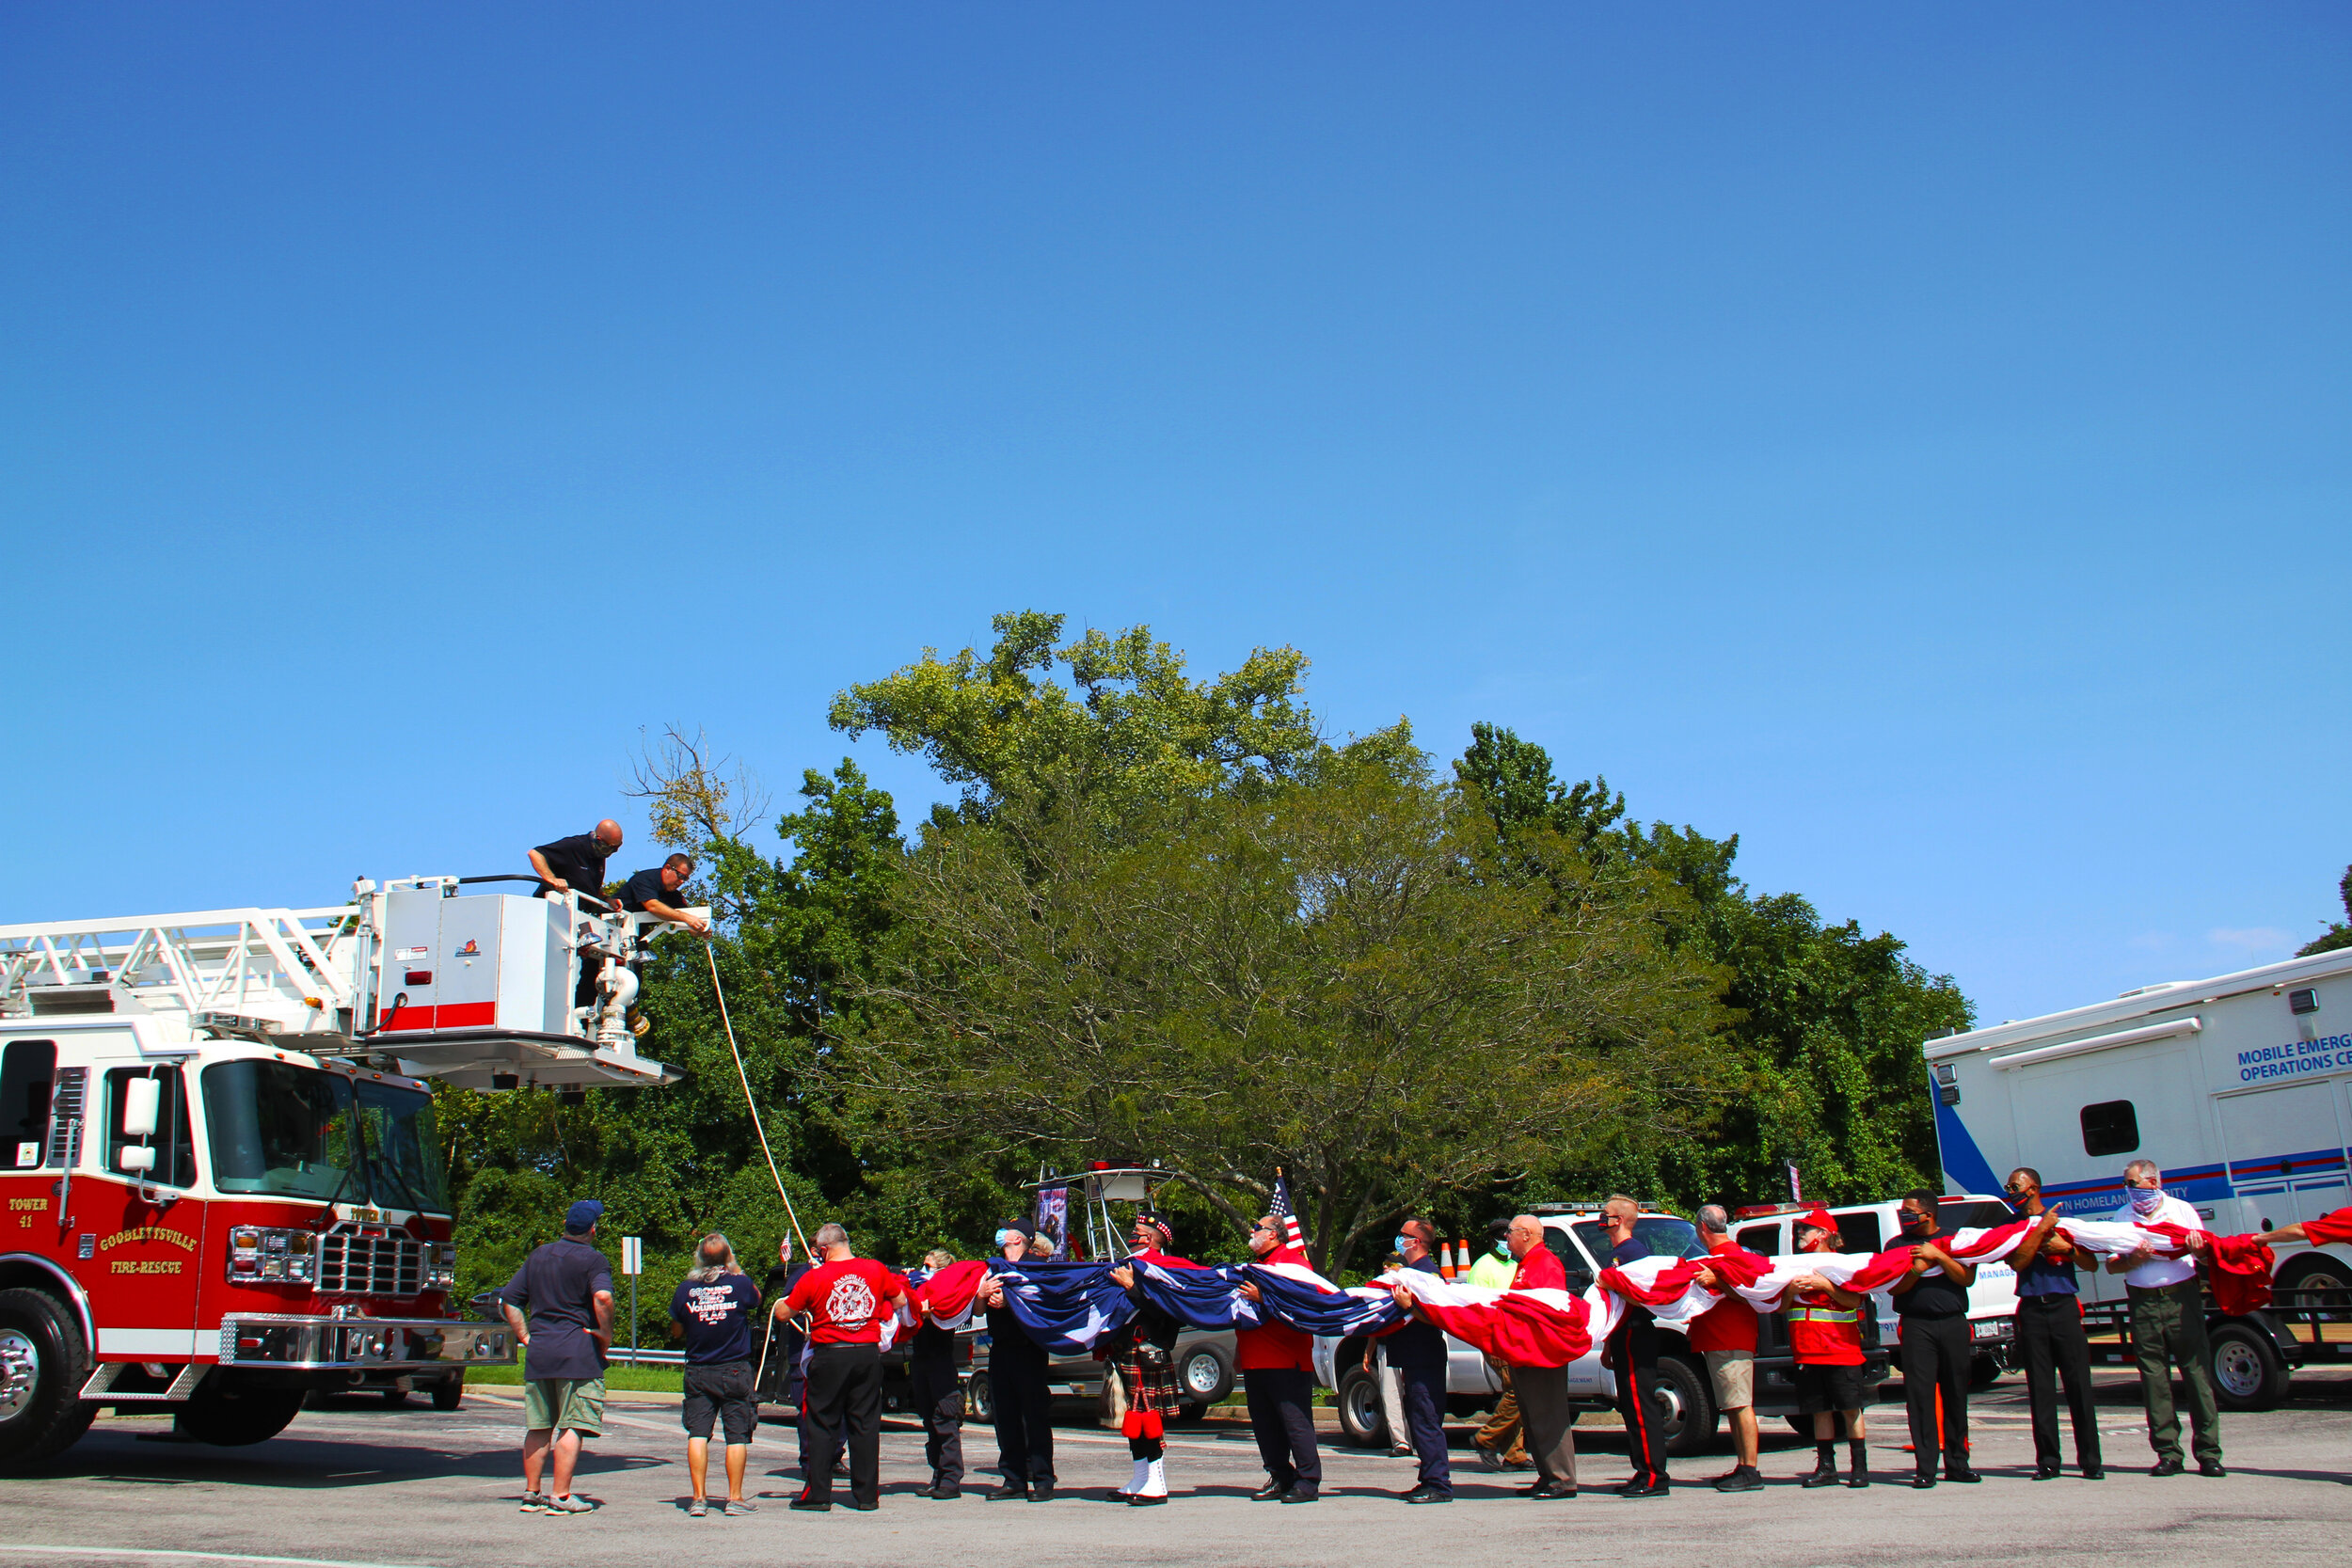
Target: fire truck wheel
230,1416
44,1360
396,1397
449,1392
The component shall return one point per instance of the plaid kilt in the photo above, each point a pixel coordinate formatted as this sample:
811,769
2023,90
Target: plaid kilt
1148,1378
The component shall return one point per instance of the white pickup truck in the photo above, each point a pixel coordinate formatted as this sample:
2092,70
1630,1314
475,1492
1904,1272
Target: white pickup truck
1575,1236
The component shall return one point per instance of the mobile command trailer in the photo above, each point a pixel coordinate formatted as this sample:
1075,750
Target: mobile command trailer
222,1180
2240,1089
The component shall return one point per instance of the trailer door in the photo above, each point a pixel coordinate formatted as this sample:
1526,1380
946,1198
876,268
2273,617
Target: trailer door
2286,1152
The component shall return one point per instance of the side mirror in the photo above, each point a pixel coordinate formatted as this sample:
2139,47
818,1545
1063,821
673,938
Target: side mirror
135,1157
142,1098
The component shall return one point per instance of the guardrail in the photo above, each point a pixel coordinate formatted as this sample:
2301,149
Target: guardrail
624,1355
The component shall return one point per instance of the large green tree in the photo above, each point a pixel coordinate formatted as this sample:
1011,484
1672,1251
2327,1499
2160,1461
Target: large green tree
1324,974
1824,1066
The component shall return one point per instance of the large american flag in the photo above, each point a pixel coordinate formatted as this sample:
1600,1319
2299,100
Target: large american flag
1292,1235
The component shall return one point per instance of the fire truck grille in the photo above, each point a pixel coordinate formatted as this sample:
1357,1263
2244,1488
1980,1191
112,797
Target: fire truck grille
351,1264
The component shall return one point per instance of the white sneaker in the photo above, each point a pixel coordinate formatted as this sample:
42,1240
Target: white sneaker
535,1502
569,1505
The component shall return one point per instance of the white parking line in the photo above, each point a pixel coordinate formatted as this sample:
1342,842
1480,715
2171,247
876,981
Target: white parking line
61,1554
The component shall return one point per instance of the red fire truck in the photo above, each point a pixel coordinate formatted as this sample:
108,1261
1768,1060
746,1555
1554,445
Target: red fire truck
223,1185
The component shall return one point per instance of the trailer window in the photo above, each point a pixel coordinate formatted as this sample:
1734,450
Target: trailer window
2112,1127
27,1068
174,1142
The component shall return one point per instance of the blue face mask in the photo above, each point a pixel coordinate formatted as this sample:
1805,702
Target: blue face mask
1502,1249
2145,1200
1403,1243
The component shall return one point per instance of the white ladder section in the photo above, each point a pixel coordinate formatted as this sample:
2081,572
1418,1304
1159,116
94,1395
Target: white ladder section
292,966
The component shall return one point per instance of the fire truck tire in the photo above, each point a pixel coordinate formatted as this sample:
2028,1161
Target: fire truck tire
43,1362
229,1417
449,1392
396,1397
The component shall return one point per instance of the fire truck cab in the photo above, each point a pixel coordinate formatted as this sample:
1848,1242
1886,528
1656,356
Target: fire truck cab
223,1183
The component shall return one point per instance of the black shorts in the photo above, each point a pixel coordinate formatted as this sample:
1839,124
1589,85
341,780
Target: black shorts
719,1392
1821,1388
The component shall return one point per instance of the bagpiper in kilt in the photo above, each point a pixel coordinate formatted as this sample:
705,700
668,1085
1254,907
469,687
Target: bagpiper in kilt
1144,1354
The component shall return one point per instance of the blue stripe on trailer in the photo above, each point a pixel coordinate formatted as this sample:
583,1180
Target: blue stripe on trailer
1964,1164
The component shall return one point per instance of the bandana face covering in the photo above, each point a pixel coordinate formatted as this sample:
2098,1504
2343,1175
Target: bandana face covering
2144,1200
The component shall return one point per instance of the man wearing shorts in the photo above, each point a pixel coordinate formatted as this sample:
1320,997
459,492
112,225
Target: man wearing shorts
715,1307
1825,1336
566,1289
1726,1334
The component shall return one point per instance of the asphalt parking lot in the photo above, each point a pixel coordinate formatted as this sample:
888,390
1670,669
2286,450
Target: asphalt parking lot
366,1486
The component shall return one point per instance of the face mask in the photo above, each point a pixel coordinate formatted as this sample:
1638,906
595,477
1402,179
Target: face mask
1005,1238
2144,1200
1403,1243
1502,1249
1914,1226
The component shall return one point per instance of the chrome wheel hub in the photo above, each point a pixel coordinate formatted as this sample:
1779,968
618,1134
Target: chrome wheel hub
20,1372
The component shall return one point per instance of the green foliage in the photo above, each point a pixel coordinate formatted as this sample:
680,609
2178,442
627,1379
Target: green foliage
1170,920
2339,933
1128,725
1825,1067
1323,973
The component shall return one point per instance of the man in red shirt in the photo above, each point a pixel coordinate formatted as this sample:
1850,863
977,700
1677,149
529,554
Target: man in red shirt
1543,1391
1825,1336
845,1297
1277,1365
1726,1334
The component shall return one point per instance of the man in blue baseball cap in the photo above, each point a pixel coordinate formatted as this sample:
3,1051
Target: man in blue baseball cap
567,1286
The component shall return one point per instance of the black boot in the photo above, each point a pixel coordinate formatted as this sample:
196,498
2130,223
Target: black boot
1824,1466
1859,1454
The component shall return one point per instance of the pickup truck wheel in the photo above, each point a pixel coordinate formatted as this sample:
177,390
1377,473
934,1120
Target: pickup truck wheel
449,1392
1687,1425
44,1363
1361,1421
2248,1373
1204,1378
979,1401
229,1417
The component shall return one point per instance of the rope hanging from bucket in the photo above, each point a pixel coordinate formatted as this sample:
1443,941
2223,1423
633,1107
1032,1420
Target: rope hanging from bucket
711,952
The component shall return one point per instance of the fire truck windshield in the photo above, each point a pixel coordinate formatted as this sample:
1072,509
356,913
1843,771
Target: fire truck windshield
295,1131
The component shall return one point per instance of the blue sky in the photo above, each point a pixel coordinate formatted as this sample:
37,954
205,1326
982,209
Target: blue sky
1914,439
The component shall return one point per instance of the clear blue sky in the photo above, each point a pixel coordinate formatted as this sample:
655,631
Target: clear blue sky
1913,437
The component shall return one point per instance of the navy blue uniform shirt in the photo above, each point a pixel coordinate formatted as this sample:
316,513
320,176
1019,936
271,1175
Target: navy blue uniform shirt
556,1291
717,1318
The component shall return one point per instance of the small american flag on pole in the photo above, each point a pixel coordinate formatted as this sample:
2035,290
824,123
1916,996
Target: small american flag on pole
1292,1235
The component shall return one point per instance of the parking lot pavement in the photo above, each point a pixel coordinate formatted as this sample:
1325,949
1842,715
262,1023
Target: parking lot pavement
360,1485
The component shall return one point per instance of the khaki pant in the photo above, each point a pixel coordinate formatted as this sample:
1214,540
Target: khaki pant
1503,1431
1543,1399
2168,1325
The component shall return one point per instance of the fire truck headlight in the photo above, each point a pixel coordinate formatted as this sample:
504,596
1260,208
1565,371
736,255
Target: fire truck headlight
257,1253
441,1274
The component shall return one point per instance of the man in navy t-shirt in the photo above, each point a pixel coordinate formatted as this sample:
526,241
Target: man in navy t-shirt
566,1289
714,1307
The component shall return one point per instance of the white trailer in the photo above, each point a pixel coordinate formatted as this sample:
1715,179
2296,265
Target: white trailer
2238,1088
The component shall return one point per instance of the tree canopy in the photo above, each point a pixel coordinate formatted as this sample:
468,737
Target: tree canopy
1171,918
